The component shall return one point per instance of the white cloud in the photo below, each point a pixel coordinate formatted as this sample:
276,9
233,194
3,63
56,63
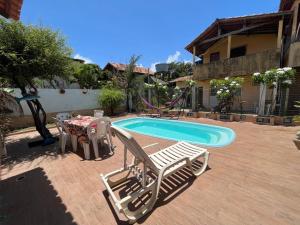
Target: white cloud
152,67
174,57
171,58
86,60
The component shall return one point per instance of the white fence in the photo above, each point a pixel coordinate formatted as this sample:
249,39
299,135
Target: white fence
73,99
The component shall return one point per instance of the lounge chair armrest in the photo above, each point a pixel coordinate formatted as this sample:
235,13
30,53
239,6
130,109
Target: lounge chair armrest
148,146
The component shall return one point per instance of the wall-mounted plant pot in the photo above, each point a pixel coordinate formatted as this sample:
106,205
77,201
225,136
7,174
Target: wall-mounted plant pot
84,91
297,143
62,91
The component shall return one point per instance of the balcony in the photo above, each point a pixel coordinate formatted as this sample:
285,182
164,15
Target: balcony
239,66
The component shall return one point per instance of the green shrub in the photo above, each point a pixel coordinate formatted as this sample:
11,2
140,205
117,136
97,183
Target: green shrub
111,98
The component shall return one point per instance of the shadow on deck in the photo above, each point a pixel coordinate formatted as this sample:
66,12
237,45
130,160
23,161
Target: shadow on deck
30,198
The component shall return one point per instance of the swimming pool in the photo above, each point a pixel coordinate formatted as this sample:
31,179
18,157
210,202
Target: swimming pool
197,133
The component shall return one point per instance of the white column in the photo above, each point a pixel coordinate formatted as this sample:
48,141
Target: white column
262,99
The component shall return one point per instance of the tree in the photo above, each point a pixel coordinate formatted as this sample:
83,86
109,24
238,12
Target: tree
87,75
129,82
8,105
28,52
175,70
226,91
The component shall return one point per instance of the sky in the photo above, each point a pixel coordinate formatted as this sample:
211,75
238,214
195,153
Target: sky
101,31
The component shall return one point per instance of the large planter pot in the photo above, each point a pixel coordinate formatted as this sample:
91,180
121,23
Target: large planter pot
297,143
266,120
225,117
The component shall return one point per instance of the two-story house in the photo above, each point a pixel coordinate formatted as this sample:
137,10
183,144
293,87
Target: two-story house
241,46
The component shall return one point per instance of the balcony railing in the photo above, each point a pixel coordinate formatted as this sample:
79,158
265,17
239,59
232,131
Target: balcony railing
239,66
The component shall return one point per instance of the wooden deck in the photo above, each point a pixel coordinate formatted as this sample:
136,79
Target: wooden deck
255,180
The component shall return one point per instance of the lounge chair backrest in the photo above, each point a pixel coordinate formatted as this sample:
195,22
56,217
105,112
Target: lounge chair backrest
133,146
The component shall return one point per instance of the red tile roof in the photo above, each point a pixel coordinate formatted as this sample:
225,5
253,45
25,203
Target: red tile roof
180,79
122,67
11,8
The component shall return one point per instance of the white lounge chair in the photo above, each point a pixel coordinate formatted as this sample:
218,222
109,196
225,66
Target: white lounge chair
162,164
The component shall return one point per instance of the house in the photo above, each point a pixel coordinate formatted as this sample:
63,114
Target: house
120,68
243,45
11,9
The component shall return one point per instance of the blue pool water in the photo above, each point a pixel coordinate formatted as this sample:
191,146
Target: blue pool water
197,133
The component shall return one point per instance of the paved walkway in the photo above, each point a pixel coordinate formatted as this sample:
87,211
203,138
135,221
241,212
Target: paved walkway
255,180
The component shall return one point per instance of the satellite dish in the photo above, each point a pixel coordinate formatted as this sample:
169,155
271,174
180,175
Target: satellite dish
162,67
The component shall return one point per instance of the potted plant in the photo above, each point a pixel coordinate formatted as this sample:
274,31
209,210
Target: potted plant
110,98
297,119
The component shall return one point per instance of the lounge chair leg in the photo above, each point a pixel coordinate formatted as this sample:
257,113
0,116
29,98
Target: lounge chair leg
133,216
203,167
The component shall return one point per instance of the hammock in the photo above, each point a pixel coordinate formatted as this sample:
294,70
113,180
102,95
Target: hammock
170,106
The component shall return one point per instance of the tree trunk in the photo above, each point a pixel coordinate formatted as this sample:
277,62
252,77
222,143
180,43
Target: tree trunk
39,117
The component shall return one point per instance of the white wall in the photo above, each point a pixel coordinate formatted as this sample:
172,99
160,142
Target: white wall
71,100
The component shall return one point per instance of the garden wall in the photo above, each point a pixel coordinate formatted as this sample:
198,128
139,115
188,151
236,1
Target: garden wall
73,101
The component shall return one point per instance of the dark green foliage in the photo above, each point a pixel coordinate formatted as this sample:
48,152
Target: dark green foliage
110,98
28,52
87,75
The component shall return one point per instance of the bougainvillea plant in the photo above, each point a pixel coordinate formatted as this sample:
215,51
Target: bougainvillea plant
227,89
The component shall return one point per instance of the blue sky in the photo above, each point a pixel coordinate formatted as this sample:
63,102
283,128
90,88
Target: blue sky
113,30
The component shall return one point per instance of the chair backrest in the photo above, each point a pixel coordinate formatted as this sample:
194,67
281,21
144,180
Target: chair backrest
60,126
131,144
98,113
63,116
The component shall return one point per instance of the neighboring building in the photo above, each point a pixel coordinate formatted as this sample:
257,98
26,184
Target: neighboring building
120,68
11,9
241,46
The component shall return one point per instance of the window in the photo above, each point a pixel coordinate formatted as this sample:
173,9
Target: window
238,92
213,91
215,56
237,52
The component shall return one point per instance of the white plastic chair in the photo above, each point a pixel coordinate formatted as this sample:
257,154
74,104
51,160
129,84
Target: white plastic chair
98,113
64,134
97,131
63,116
